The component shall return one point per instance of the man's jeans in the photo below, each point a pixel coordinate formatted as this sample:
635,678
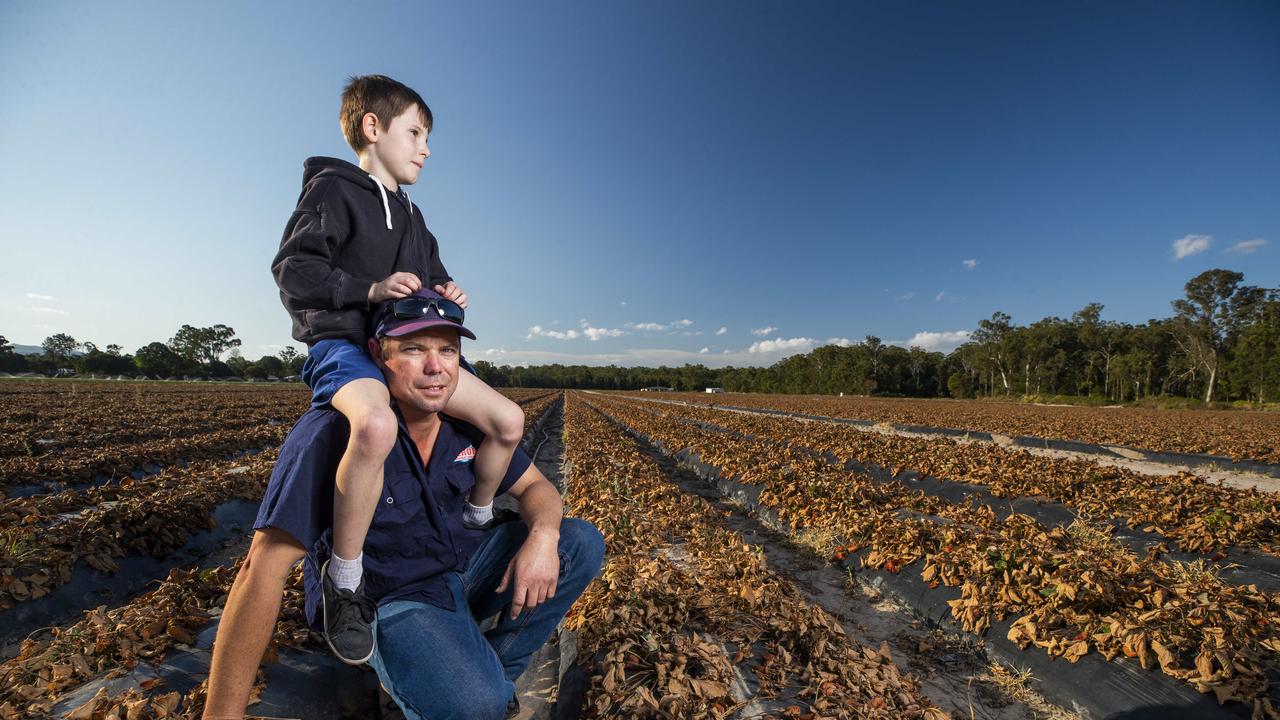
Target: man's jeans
436,664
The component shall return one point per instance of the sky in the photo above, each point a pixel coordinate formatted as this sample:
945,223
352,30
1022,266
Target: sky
645,183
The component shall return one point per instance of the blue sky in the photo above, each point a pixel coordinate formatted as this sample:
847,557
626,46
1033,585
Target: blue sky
616,182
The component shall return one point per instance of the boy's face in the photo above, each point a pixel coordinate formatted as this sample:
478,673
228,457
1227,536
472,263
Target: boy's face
401,147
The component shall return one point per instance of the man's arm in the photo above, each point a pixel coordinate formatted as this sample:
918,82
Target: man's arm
535,569
248,621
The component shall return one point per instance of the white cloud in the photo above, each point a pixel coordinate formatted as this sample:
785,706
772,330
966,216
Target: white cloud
704,351
842,342
48,310
1189,245
905,296
41,298
945,341
647,326
539,331
942,294
1244,247
723,329
969,264
789,346
596,333
623,303
658,327
761,332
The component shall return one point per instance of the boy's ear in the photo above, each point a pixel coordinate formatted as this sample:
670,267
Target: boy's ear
369,126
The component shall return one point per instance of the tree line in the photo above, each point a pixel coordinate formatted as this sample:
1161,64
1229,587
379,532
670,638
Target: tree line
1222,343
191,352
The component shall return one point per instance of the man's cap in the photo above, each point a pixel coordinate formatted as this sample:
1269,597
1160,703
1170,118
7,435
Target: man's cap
386,324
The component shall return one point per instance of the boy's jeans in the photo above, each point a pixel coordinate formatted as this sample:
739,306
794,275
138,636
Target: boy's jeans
436,664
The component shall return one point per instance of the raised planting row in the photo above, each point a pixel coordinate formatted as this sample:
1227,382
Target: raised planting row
1069,591
1197,515
108,643
41,540
148,657
535,406
687,622
57,470
1236,434
39,418
522,396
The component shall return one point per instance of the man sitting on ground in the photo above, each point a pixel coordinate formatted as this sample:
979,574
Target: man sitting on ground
426,576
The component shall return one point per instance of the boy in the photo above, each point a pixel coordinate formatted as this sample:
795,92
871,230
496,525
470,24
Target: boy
356,240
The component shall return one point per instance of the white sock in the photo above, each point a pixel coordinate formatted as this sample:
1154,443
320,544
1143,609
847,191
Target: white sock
477,515
346,574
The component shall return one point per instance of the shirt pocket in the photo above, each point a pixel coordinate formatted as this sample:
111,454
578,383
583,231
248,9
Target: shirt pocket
459,480
400,524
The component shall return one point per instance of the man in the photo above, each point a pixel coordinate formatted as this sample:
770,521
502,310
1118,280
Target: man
426,576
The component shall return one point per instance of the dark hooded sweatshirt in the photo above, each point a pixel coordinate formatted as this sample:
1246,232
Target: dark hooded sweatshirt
347,233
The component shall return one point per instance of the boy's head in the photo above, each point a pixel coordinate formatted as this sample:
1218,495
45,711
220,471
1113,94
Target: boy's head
382,96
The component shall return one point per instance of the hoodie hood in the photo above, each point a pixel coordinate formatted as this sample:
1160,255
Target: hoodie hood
322,167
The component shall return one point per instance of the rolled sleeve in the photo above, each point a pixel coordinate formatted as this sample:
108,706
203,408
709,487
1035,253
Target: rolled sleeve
299,496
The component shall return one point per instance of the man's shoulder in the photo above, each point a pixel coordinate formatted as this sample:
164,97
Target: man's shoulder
318,426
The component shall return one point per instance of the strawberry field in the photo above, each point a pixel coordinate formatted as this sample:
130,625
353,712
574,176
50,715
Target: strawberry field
760,564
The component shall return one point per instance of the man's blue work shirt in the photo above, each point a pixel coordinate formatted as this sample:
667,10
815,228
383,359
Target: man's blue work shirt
416,537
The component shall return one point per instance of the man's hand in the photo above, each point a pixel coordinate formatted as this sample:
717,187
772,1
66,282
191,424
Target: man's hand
449,291
534,570
396,285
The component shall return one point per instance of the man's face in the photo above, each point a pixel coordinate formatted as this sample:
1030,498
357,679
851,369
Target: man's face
422,368
402,146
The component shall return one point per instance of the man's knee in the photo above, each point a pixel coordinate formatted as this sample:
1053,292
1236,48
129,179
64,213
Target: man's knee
478,701
581,541
487,704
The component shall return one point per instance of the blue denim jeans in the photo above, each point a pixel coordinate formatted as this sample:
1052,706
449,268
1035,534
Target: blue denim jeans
438,665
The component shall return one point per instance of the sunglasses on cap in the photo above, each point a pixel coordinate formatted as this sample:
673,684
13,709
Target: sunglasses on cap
414,307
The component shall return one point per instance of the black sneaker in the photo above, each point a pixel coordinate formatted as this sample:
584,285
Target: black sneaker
348,620
513,708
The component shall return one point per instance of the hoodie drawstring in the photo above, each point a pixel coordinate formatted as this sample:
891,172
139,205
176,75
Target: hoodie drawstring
386,206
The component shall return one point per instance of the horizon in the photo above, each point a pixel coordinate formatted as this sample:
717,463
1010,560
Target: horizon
644,185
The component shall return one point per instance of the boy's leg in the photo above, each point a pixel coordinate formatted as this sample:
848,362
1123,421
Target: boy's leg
581,551
435,663
357,486
502,422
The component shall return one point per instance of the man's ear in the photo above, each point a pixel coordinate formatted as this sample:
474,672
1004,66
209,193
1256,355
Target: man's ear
375,351
370,127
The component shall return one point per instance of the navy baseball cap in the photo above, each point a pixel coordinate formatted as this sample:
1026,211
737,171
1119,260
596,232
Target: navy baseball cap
423,309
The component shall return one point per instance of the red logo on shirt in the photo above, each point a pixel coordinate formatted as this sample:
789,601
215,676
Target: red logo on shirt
466,455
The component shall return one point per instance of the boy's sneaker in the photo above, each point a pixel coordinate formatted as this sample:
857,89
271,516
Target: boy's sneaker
513,708
348,620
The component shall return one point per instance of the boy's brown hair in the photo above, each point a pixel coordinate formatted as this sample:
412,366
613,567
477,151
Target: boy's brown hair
380,95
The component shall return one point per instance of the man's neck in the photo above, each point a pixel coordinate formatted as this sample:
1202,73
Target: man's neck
423,429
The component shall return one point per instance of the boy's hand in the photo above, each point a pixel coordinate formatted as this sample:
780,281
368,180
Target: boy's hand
452,292
397,285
